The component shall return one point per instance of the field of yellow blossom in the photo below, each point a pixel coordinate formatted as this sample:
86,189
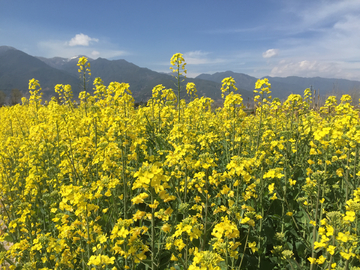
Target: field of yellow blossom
175,184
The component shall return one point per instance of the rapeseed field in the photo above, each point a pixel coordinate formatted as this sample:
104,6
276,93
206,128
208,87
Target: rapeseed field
175,184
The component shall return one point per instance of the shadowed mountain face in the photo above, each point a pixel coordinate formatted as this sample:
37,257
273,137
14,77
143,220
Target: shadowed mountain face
324,86
17,68
143,80
282,87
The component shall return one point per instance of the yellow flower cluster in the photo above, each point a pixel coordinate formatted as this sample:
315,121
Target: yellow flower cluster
97,183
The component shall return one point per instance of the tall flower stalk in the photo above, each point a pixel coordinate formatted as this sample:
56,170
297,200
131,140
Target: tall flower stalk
85,74
162,187
178,67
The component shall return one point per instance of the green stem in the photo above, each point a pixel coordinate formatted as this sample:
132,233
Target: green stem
226,252
97,167
84,87
185,186
331,256
152,232
178,85
259,131
262,214
291,265
316,217
186,254
347,174
355,160
88,234
205,219
242,257
124,183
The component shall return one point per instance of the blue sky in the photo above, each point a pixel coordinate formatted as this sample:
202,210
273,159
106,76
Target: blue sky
255,37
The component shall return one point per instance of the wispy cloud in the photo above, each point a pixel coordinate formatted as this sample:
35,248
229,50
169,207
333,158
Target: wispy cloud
235,30
326,12
95,54
51,48
270,53
322,40
201,58
81,40
306,68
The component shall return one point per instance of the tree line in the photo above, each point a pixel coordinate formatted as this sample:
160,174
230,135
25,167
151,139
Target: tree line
12,99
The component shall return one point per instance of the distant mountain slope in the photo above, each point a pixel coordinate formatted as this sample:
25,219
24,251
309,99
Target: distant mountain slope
324,85
17,68
4,49
282,87
142,80
55,62
59,62
247,82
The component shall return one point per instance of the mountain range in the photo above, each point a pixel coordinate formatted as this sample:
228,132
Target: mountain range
17,68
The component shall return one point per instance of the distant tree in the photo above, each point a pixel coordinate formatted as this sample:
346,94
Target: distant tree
2,98
355,94
15,96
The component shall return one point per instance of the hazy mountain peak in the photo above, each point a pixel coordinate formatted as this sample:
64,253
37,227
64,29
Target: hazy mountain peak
77,57
6,48
17,67
73,58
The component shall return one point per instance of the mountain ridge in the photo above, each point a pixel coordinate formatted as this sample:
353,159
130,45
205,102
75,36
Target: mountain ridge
283,86
17,68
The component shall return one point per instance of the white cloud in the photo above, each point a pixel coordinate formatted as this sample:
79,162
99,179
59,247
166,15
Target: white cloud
270,53
234,30
200,58
107,53
81,40
319,13
348,26
196,57
51,48
196,54
338,44
95,54
306,68
318,38
322,40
